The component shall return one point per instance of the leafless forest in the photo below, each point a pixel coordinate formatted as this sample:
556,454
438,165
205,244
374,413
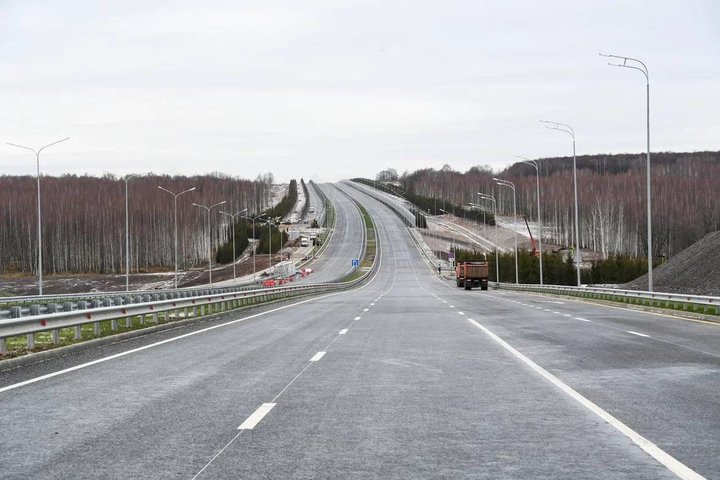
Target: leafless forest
83,220
611,194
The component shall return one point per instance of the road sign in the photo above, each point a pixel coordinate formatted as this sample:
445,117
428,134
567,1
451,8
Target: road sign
355,262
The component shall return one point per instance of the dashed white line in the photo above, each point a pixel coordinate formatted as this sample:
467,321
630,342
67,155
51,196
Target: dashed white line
556,313
317,356
343,331
365,310
258,415
678,468
637,333
582,319
566,315
358,318
461,313
452,306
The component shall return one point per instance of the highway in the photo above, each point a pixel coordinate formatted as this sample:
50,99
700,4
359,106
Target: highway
405,377
346,243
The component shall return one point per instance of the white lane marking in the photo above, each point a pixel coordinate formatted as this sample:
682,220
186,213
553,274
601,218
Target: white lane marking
650,448
358,318
557,313
343,331
638,333
372,304
156,344
553,301
444,301
317,356
546,310
258,415
582,319
365,310
566,315
461,313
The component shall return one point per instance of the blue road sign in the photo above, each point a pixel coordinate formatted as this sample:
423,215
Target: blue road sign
356,263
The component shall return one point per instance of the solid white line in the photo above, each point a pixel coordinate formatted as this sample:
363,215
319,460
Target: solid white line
156,344
317,356
650,448
582,319
343,331
638,334
358,318
255,418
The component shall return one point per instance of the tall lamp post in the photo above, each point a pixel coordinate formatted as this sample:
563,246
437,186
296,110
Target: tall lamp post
232,222
39,211
509,184
252,219
175,197
497,258
636,64
209,234
537,173
569,130
270,223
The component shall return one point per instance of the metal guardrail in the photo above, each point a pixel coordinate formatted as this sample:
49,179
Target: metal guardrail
13,307
188,306
658,299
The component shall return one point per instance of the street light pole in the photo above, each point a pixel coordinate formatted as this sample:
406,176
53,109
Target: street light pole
537,172
232,222
39,211
175,197
642,68
569,130
209,235
506,183
497,257
252,219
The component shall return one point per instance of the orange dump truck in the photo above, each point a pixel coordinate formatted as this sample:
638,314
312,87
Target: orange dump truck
472,274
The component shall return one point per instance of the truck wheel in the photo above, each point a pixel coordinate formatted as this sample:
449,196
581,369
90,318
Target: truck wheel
468,285
484,284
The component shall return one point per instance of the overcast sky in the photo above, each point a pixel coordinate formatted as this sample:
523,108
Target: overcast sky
334,89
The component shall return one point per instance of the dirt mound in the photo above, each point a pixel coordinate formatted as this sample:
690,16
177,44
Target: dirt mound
695,270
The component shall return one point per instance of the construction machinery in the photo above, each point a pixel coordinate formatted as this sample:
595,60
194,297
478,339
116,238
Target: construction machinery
535,252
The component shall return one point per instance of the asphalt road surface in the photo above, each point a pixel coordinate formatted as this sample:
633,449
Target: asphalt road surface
346,243
406,377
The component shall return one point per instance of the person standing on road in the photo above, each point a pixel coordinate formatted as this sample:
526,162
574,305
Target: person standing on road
439,270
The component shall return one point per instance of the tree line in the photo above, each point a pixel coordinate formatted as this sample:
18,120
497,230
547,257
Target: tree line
611,197
557,269
83,220
270,238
